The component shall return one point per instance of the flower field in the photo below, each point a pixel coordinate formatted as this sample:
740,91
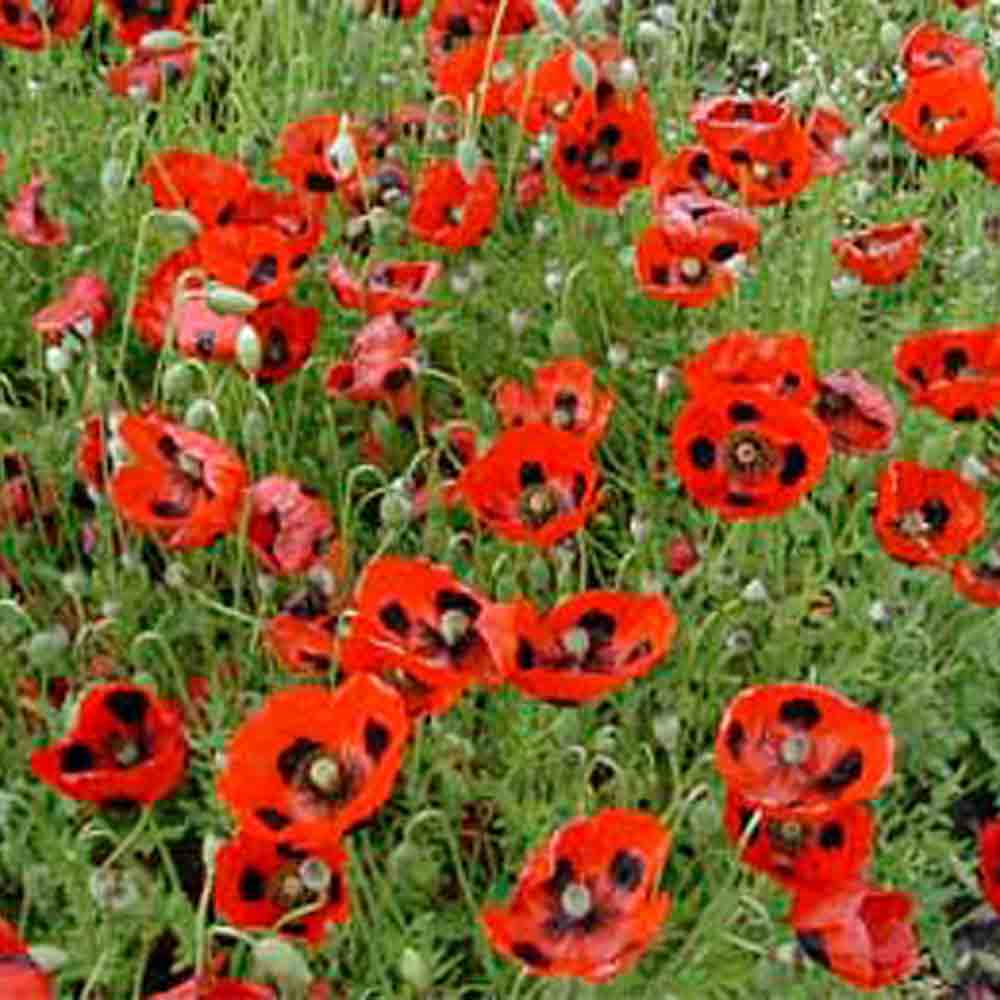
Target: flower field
500,500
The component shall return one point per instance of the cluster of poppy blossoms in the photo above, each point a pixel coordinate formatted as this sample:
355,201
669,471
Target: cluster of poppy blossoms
800,762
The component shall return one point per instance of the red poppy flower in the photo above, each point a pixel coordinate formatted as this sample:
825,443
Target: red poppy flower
979,584
305,644
150,72
804,747
954,372
83,310
587,646
252,257
156,306
586,903
450,212
863,934
181,484
682,555
290,526
943,109
859,416
261,883
23,25
881,255
928,48
312,763
417,627
746,454
459,70
29,223
210,987
688,171
135,18
607,146
387,287
531,186
779,365
564,395
287,334
20,977
827,129
207,186
298,217
307,153
687,255
126,744
536,484
377,183
983,152
989,862
201,332
758,144
464,18
923,514
91,453
547,95
802,850
23,499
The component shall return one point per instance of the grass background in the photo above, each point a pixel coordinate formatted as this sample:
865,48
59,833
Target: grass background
498,773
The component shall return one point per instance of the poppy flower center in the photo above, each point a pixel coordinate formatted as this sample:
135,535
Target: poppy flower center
454,215
576,641
794,749
748,455
326,776
927,520
538,505
454,626
789,836
692,269
285,889
126,752
576,901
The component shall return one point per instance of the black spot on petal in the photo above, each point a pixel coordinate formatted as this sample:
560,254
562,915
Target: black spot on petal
75,758
394,617
129,707
736,738
813,947
844,773
253,885
831,836
702,453
273,819
291,759
802,713
377,739
795,465
627,870
531,474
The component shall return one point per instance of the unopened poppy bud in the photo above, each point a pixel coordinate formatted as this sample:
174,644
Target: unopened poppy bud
409,865
74,582
177,381
175,576
48,646
112,176
553,281
755,592
583,69
228,301
974,470
164,40
617,355
342,155
667,730
538,572
890,35
255,429
396,508
518,320
177,222
638,528
626,75
459,283
648,32
563,338
879,613
201,414
738,641
469,158
844,285
57,360
248,350
552,16
666,379
47,957
281,962
415,971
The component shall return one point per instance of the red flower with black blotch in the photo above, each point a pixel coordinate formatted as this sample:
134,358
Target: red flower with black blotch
382,366
460,71
252,257
24,25
802,850
466,18
83,310
298,217
758,144
377,183
290,527
536,484
803,747
881,255
688,171
587,646
564,394
546,96
149,72
211,987
135,18
304,644
306,158
778,365
125,745
155,308
287,335
207,186
827,130
417,627
983,152
956,373
532,184
586,903
978,583
861,933
928,48
607,146
91,453
396,286
450,212
201,332
923,515
989,862
313,763
746,454
29,223
859,416
261,883
20,977
182,485
687,255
